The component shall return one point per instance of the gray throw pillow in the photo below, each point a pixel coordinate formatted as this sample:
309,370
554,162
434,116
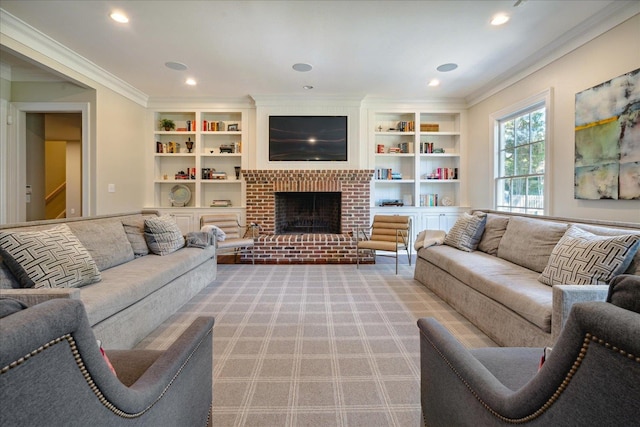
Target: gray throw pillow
528,242
624,291
134,229
583,258
52,258
105,240
494,229
466,232
163,235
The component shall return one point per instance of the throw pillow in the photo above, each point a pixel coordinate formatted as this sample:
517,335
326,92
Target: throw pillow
163,235
583,258
528,242
134,229
52,258
105,240
466,232
216,231
106,358
624,291
494,229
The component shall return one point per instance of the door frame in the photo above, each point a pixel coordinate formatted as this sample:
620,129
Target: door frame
16,179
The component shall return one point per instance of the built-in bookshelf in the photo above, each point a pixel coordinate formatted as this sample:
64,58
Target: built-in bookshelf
210,169
417,158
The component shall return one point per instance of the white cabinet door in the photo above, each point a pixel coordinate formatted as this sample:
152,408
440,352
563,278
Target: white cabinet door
439,221
448,220
185,222
430,222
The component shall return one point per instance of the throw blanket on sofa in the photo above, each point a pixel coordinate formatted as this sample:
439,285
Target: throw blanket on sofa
198,239
428,238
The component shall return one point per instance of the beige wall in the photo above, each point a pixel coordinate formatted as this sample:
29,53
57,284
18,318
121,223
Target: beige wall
117,134
610,55
120,151
55,174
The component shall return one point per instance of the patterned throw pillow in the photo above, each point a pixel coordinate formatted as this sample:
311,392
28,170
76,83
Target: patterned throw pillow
163,235
52,258
583,258
466,232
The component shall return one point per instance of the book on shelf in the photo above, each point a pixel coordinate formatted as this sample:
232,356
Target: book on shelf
429,199
210,173
406,147
406,126
429,127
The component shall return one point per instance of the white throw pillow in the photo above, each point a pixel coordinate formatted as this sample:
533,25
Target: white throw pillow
583,258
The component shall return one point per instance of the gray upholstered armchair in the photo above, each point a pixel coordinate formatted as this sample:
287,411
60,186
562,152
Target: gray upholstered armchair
591,377
53,373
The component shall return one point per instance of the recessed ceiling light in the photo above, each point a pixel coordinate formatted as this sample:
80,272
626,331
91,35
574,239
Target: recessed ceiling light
190,82
119,17
178,66
307,87
499,19
434,82
447,67
302,67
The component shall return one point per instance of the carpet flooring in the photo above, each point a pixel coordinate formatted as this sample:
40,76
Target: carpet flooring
316,345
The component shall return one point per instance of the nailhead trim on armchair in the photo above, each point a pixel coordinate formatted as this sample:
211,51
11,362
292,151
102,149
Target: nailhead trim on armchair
68,338
588,339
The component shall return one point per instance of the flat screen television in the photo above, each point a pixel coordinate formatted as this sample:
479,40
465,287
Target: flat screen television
308,138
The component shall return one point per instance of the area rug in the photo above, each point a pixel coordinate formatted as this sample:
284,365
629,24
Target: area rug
316,345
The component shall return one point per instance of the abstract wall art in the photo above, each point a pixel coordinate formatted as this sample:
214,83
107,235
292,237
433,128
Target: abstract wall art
607,140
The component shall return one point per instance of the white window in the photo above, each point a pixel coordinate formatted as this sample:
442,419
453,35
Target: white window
521,160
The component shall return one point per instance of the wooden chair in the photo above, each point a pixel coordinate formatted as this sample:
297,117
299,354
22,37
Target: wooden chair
389,233
238,239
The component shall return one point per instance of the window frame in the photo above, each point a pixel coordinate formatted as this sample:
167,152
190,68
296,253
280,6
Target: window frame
540,100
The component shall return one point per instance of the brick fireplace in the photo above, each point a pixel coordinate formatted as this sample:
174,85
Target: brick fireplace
307,248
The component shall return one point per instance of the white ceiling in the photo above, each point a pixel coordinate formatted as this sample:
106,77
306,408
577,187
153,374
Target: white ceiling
381,49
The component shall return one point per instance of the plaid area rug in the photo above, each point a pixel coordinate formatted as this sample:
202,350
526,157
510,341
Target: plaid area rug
316,345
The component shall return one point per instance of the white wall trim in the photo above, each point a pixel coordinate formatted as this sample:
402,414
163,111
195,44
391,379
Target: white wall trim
4,161
17,156
545,96
289,100
23,33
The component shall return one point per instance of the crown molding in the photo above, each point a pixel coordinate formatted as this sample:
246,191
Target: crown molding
426,103
612,16
262,100
229,102
20,31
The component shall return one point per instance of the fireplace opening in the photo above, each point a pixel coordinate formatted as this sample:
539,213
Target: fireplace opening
308,212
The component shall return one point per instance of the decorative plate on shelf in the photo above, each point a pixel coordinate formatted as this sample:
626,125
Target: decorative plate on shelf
180,195
446,201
